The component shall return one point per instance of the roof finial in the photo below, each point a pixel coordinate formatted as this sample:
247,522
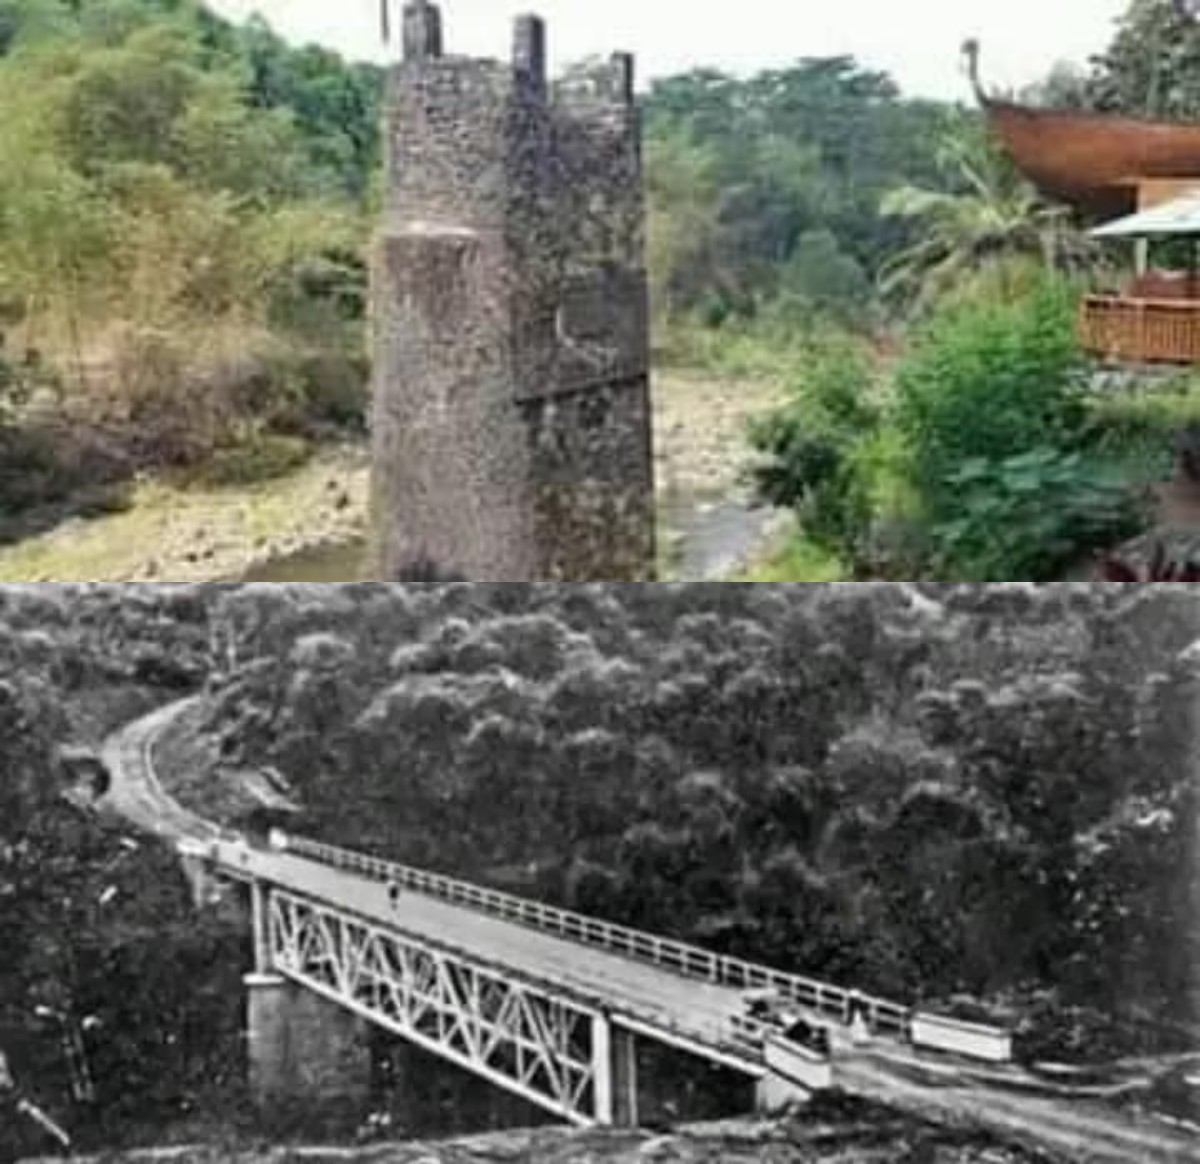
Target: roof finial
971,53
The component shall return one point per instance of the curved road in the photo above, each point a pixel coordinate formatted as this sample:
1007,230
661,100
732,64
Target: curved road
697,1011
136,792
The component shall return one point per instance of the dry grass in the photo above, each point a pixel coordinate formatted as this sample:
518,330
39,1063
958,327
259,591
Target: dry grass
173,535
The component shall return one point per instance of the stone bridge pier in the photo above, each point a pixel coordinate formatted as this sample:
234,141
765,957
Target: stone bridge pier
651,1084
307,1057
306,1054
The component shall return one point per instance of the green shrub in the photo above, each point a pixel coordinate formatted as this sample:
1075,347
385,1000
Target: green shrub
991,379
1025,518
1137,428
799,561
807,448
895,543
255,457
822,279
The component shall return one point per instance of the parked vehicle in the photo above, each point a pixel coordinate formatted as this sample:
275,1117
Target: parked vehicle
812,1036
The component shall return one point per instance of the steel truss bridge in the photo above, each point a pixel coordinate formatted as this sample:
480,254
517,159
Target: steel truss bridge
541,1001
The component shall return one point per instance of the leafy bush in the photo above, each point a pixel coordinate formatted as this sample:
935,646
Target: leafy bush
826,279
257,456
990,380
808,447
1026,517
1139,427
15,387
799,561
984,465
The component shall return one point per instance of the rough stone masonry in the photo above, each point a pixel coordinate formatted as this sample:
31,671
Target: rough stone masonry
511,407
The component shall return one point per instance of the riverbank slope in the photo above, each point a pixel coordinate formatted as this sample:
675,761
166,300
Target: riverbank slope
206,534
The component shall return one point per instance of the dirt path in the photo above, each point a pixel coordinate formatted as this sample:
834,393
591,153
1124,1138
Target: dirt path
1085,1130
136,792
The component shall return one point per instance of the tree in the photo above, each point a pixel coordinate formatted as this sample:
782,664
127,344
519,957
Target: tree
1152,67
821,274
988,213
682,227
1066,86
769,188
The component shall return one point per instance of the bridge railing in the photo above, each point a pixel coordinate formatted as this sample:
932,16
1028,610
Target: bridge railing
884,1017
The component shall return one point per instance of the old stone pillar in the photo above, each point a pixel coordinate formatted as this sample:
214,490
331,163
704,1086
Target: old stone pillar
306,1054
529,51
510,416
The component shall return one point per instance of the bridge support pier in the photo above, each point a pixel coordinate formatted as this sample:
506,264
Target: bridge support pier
306,1054
616,1074
773,1095
625,1107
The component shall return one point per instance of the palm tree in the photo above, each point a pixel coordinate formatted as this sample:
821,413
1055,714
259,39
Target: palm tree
987,215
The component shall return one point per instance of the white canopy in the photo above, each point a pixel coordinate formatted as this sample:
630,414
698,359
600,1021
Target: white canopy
1180,216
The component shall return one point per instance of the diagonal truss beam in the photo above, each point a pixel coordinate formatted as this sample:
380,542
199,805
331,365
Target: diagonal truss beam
547,1049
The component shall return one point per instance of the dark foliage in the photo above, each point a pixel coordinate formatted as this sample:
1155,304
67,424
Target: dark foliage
1159,568
967,791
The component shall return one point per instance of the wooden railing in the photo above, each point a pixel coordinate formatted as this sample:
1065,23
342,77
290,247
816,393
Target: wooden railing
885,1017
1141,330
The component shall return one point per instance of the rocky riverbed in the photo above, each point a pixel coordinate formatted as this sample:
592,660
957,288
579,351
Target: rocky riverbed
309,525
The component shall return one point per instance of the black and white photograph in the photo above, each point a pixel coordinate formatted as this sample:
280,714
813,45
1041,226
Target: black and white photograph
584,872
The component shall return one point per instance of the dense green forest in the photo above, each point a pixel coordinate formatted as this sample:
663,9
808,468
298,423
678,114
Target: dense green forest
182,232
766,193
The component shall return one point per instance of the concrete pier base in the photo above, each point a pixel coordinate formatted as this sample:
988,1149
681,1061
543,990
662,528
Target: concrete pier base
306,1054
626,1109
773,1095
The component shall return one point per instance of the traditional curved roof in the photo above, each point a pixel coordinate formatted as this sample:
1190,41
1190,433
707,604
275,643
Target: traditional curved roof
1094,161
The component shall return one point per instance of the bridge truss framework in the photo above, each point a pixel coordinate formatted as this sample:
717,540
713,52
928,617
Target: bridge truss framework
550,1050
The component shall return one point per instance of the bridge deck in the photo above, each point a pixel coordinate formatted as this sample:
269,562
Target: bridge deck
692,1011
